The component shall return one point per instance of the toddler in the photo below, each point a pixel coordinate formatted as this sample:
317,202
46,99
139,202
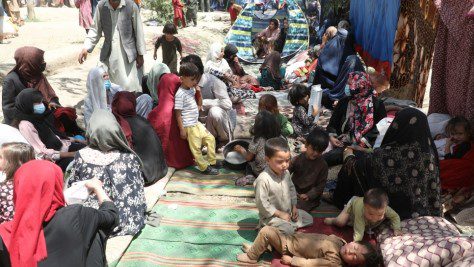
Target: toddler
12,156
170,44
187,113
275,194
366,213
459,132
310,171
269,103
301,122
265,127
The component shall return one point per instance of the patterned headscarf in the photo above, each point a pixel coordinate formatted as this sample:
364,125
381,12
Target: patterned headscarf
362,92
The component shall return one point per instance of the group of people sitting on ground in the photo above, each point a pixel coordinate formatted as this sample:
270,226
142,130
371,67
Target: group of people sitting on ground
131,138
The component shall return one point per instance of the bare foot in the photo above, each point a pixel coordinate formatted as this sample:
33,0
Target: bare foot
245,258
329,221
246,247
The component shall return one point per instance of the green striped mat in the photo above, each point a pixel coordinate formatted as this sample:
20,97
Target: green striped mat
190,181
195,233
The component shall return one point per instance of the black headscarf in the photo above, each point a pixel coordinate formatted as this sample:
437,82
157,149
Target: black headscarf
43,123
230,52
406,166
410,126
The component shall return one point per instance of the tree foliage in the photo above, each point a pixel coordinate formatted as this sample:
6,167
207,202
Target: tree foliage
163,10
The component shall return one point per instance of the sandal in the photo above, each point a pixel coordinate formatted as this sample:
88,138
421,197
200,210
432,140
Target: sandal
245,180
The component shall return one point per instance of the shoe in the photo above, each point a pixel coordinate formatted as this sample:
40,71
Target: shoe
210,171
246,247
219,164
245,258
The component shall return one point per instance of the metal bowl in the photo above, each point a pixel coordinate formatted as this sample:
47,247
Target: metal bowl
240,165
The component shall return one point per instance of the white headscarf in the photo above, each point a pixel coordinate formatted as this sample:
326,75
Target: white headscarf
154,78
215,60
96,94
10,134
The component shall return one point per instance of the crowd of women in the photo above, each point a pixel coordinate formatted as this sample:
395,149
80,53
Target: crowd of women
130,140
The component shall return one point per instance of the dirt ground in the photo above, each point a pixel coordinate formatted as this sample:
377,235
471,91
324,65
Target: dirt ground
58,33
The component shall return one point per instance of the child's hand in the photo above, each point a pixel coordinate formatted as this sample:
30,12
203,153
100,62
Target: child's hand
285,259
294,214
397,232
239,149
155,56
182,134
303,197
335,142
315,110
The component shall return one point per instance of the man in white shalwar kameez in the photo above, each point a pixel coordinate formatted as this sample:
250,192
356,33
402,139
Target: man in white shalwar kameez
124,46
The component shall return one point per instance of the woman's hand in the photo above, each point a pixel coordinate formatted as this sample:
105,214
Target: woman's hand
93,184
303,197
335,142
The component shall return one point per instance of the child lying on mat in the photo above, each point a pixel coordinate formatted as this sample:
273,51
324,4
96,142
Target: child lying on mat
366,213
303,249
275,194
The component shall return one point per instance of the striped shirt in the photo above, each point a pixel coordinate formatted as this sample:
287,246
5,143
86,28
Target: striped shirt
185,101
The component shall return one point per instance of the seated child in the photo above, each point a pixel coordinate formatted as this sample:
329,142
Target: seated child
269,103
308,249
275,194
272,73
12,156
187,113
265,127
310,171
301,122
459,132
366,213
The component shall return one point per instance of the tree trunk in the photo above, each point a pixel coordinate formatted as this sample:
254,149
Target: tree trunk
30,7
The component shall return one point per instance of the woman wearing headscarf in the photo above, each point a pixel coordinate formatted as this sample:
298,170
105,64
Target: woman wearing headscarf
27,73
218,66
153,78
44,232
406,166
100,93
230,55
163,120
271,71
36,123
109,159
266,38
140,136
354,118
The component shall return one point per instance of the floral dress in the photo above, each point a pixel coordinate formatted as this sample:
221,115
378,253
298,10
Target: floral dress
122,178
301,122
6,201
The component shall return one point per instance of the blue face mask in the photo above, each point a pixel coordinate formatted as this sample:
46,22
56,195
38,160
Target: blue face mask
347,90
39,108
107,84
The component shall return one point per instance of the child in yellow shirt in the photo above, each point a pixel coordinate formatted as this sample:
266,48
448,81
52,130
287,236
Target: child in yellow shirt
366,213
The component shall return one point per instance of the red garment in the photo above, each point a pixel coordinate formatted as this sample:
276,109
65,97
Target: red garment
38,194
163,120
178,9
28,67
233,12
70,113
124,106
457,173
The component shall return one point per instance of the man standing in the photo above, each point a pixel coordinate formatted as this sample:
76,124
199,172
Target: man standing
191,11
124,46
